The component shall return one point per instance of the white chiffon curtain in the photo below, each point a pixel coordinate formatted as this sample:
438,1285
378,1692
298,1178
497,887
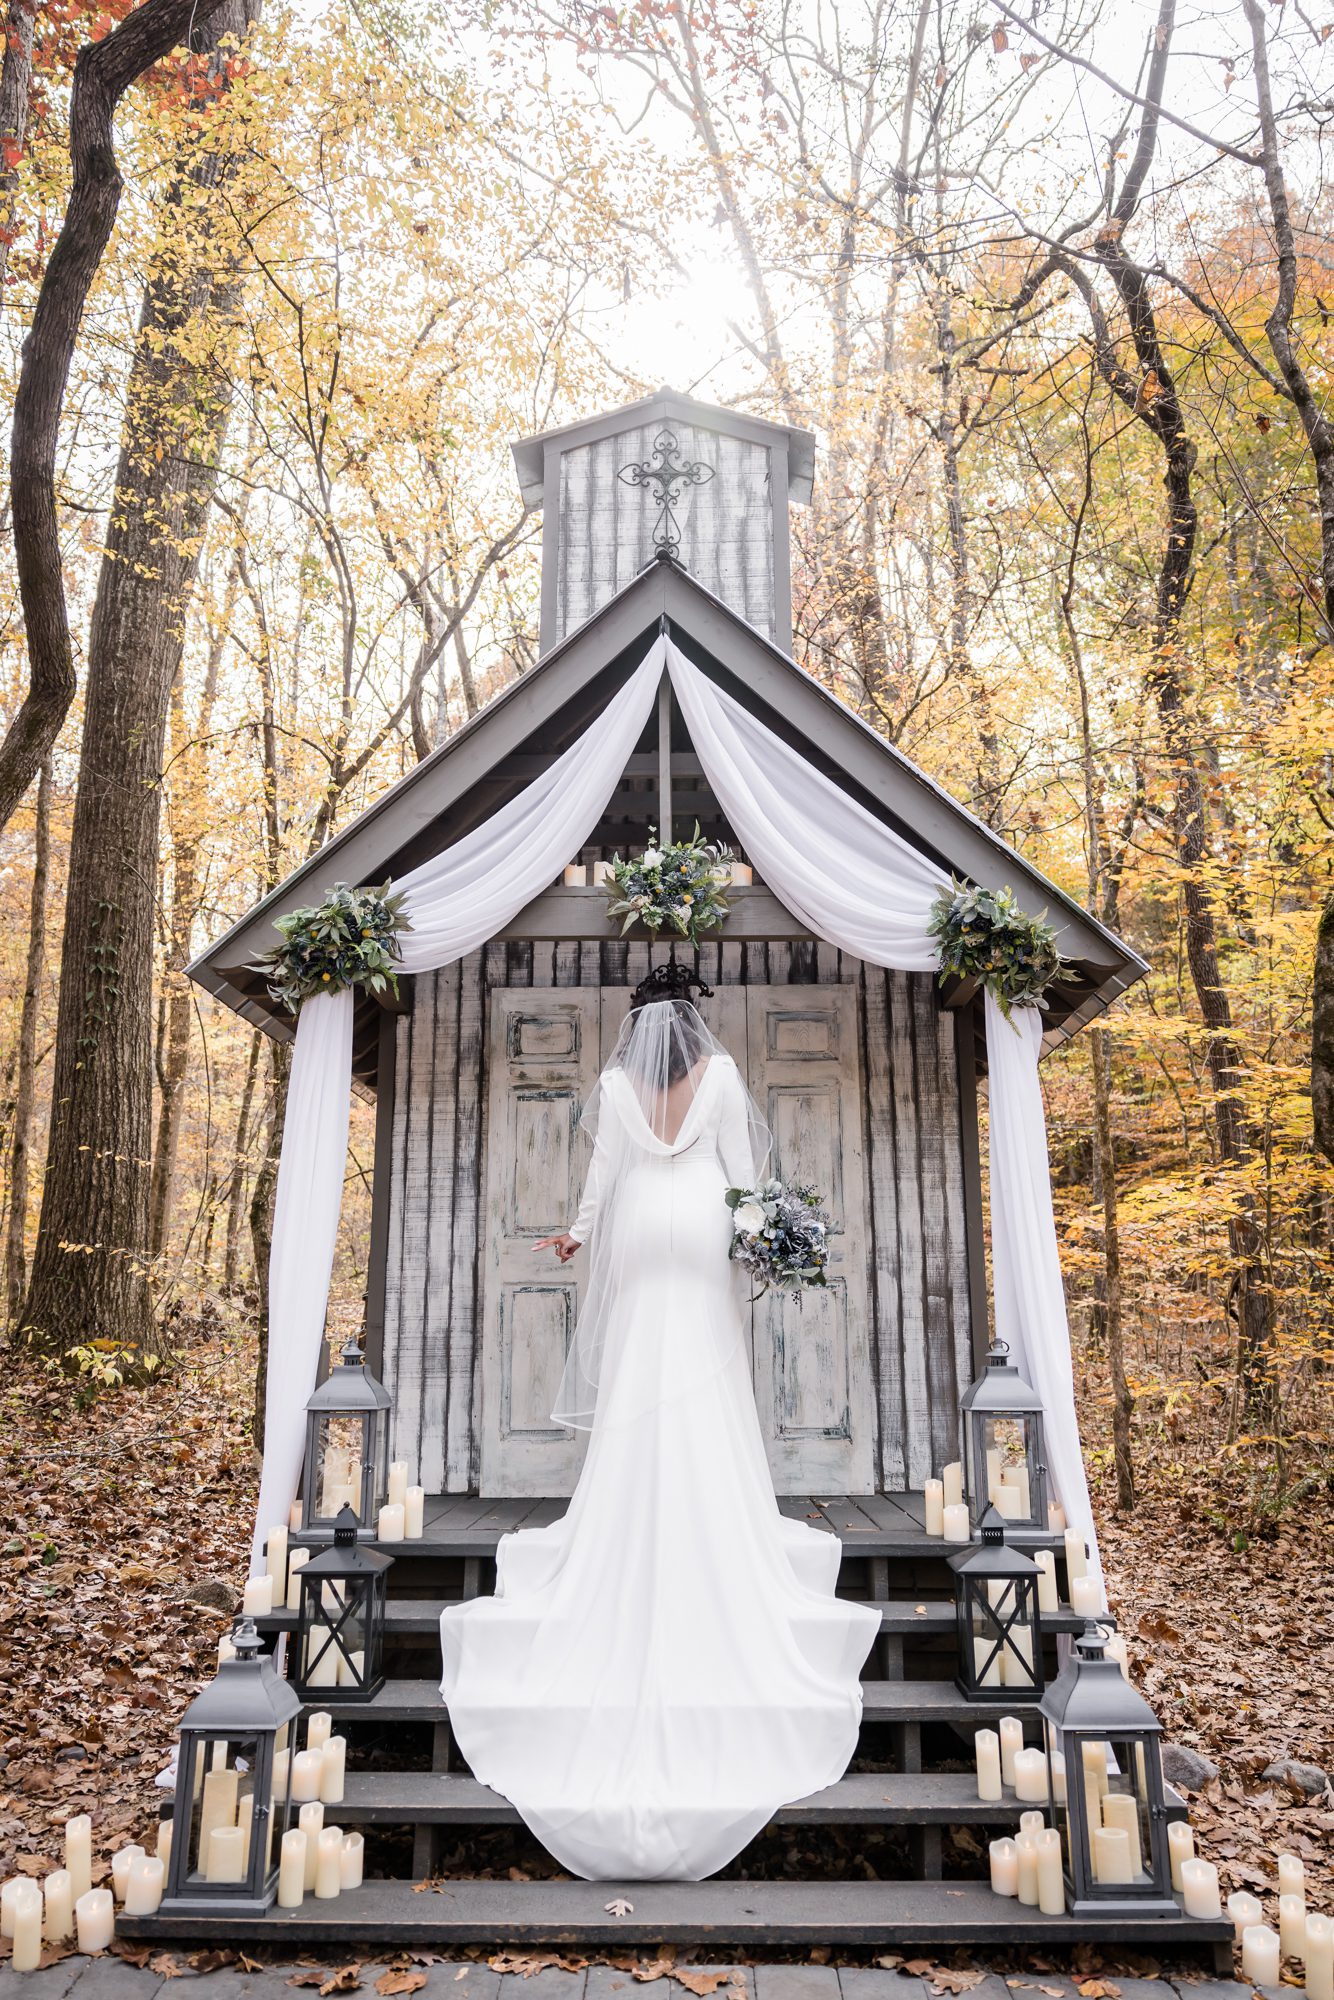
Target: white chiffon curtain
854,881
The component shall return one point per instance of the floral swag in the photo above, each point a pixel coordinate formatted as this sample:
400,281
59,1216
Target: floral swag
352,938
983,934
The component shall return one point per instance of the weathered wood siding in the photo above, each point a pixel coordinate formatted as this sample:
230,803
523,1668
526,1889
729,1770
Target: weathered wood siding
606,527
918,1296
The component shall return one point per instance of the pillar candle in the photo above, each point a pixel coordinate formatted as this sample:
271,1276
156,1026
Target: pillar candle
95,1920
292,1870
414,1514
1007,1504
951,1483
164,1827
398,1483
306,1767
576,875
1017,1659
1120,1809
1261,1961
319,1728
218,1807
601,873
1030,1774
743,875
1017,1477
1058,1775
79,1855
322,1657
27,1934
1086,1599
10,1890
1292,1925
1244,1910
1095,1772
1004,1867
986,1663
143,1892
294,1518
1076,1555
1027,1844
296,1562
1051,1873
1291,1875
1318,1952
1048,1596
328,1863
224,1856
392,1524
986,1745
59,1906
954,1522
281,1773
121,1863
1199,1889
1055,1519
1111,1854
933,1495
333,1762
1032,1822
351,1668
275,1560
1180,1847
351,1861
1011,1740
1115,1648
311,1820
257,1597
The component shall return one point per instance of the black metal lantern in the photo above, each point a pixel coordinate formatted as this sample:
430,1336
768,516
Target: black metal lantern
347,1448
1105,1782
1003,1451
228,1821
340,1633
1000,1626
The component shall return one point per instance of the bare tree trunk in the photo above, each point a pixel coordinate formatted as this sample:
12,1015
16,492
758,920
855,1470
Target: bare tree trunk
25,1087
1322,1034
91,1268
15,99
236,1193
261,1218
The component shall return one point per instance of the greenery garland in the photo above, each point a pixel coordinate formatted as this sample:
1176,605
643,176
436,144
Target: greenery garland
350,939
671,888
984,935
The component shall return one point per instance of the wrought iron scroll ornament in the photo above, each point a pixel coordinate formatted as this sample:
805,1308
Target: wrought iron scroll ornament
668,475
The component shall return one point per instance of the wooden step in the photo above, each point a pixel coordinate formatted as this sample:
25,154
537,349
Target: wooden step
420,1616
936,1914
946,1798
882,1701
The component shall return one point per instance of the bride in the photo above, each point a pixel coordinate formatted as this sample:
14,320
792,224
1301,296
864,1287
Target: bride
667,1664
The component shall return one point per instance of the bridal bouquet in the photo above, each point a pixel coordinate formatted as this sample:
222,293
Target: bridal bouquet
780,1233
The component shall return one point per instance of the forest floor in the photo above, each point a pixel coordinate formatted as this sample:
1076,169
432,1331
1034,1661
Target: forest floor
112,1506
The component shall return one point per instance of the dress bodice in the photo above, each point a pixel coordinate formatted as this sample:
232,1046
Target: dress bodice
716,1127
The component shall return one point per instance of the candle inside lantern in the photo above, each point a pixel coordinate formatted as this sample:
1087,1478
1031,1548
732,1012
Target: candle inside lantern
1051,1873
1048,1597
398,1483
59,1901
986,1663
328,1863
1180,1847
1030,1774
27,1932
1261,1958
351,1667
311,1822
121,1863
1076,1555
143,1891
257,1597
933,1496
1017,1477
1291,1875
1120,1809
1095,1774
319,1728
1017,1659
1244,1910
954,1521
218,1808
79,1854
951,1481
1086,1598
1027,1843
351,1861
1292,1925
1111,1854
224,1856
1199,1889
1007,1504
1318,1952
333,1763
306,1768
392,1523
986,1744
95,1920
1004,1856
292,1869
1011,1741
414,1514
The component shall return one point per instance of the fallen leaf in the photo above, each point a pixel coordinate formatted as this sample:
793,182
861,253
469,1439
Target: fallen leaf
395,1981
701,1982
166,1967
618,1907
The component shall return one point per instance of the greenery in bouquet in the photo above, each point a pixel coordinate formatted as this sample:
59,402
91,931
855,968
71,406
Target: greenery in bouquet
350,939
678,888
984,935
780,1233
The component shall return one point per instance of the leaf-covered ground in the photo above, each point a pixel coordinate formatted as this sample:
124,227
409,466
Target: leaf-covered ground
112,1509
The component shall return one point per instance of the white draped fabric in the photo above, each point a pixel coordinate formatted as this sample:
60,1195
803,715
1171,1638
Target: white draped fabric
851,878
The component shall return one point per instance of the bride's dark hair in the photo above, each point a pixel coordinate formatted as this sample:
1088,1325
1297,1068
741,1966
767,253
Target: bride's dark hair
677,985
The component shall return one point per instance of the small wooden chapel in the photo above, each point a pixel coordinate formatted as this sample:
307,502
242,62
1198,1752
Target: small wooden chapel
671,514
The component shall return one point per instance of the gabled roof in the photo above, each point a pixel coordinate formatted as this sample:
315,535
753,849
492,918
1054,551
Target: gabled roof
491,757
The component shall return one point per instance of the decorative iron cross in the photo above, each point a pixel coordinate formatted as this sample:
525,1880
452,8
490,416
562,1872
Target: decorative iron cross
667,474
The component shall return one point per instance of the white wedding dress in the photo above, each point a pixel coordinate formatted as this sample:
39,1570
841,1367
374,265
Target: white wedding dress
666,1665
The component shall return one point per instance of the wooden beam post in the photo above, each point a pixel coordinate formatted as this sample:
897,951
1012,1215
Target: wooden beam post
665,761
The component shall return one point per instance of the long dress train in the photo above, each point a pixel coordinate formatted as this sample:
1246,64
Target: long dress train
667,1664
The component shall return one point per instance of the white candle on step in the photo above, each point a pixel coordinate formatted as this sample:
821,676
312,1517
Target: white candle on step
164,1842
319,1728
1027,1843
1199,1889
933,1497
306,1768
576,875
1051,1873
951,1481
1004,1867
226,1650
351,1861
11,1889
1055,1519
294,1518
1076,1555
1086,1599
414,1514
1058,1775
275,1561
1048,1598
1291,1875
1030,1774
1318,1952
955,1522
224,1857
986,1745
281,1773
1111,1854
296,1562
1115,1648
311,1821
1180,1847
1011,1740
1120,1809
257,1597
79,1854
1292,1925
59,1914
333,1762
95,1920
292,1870
27,1911
1261,1959
121,1863
743,875
398,1483
1032,1822
143,1891
392,1523
1244,1910
328,1863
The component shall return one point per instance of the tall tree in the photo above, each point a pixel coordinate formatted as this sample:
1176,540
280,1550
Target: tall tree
25,1081
90,1268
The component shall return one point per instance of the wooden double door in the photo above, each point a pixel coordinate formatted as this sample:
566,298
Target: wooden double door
799,1048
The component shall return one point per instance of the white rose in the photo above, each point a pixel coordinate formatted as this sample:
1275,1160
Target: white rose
748,1218
651,857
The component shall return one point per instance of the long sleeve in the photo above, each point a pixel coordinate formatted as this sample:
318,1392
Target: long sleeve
582,1226
736,1151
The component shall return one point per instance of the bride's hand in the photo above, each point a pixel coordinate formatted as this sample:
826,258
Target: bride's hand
564,1246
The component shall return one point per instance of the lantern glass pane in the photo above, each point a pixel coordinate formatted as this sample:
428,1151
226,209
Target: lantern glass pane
1001,1623
1005,1451
1117,1799
335,1635
340,1443
218,1839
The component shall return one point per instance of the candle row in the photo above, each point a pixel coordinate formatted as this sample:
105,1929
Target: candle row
66,1906
596,874
946,1511
318,1860
1030,1866
1002,1761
